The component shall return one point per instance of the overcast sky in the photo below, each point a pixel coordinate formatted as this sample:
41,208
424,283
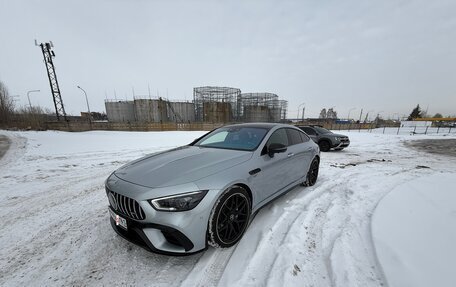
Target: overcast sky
382,56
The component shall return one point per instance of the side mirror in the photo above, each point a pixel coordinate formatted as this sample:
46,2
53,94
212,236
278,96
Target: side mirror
276,148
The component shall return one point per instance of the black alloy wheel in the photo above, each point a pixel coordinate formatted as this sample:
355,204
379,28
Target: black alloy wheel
229,218
324,145
312,174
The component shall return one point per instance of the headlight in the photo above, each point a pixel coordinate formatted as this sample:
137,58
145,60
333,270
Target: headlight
337,138
178,202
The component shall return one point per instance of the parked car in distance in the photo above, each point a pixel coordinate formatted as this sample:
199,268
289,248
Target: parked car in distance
182,200
326,139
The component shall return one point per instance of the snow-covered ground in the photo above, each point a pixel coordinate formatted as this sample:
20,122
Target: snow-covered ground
414,232
56,231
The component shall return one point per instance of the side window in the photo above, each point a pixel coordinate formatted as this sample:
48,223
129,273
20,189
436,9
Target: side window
294,137
279,136
309,131
304,137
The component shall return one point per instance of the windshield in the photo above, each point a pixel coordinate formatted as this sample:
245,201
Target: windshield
322,130
237,138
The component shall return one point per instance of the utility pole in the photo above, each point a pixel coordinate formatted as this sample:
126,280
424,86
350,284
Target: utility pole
349,111
48,54
360,115
299,109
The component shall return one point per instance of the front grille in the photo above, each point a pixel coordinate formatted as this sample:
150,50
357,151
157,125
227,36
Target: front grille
125,205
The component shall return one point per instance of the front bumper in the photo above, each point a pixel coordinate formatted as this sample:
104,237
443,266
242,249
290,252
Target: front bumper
169,240
174,233
342,144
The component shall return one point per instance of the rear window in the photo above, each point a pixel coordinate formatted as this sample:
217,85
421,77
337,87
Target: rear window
294,137
305,138
308,130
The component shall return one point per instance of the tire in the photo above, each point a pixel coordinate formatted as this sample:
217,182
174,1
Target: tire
229,218
324,145
312,173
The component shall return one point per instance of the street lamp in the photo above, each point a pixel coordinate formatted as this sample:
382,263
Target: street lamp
28,96
367,114
299,109
87,101
349,111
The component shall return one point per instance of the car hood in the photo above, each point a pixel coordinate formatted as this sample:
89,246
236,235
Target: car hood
179,166
339,135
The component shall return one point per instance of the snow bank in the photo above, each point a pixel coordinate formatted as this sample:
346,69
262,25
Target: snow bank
414,232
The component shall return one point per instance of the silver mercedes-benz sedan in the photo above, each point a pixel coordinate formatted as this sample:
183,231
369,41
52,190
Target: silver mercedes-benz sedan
205,193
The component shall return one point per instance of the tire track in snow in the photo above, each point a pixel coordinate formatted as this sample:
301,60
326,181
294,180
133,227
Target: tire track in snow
312,218
209,268
339,230
261,262
63,222
338,202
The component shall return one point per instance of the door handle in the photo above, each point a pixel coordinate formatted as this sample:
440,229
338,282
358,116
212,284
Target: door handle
254,171
290,154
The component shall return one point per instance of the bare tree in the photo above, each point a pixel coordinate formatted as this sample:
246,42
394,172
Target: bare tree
328,114
331,114
6,104
323,114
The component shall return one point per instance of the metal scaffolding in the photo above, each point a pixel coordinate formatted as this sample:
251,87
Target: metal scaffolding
261,107
210,104
216,104
283,109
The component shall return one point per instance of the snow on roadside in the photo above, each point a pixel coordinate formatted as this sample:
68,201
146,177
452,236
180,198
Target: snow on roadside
55,228
55,225
414,232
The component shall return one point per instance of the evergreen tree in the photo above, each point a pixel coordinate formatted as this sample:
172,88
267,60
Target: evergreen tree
416,113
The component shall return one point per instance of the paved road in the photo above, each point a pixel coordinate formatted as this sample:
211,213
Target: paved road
436,146
4,145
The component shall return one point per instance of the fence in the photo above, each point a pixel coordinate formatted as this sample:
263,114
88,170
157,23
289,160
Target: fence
414,130
87,126
79,126
399,130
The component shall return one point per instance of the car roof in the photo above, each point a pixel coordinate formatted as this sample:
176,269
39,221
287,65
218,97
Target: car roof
309,126
261,125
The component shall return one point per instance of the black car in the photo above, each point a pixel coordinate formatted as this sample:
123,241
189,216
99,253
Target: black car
326,139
